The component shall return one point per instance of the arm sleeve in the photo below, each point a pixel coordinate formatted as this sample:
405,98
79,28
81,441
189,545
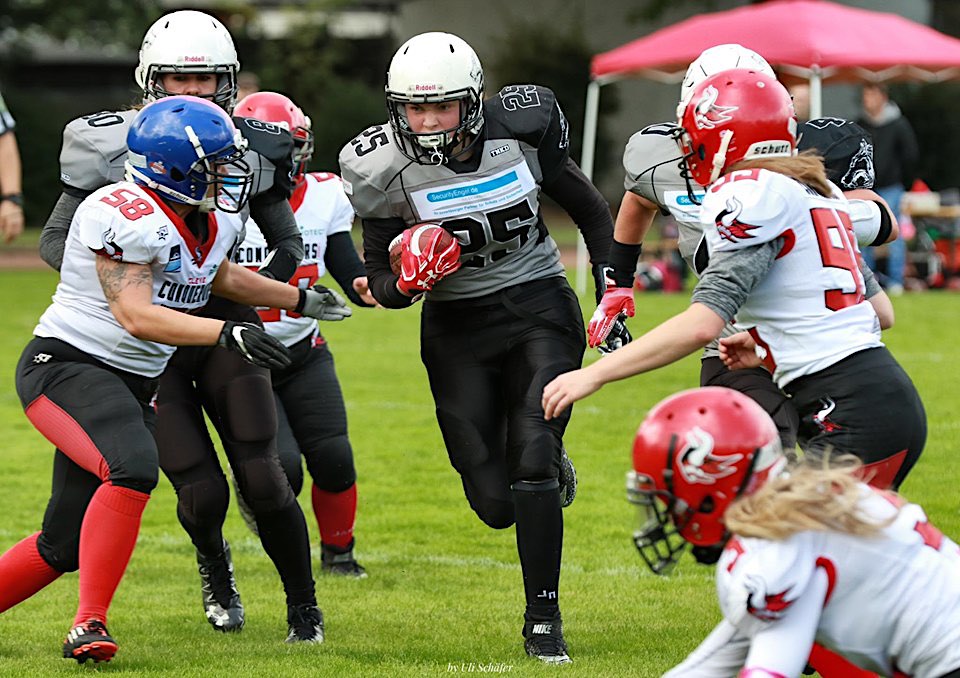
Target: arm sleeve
872,287
732,275
377,234
344,264
53,237
586,206
720,655
279,228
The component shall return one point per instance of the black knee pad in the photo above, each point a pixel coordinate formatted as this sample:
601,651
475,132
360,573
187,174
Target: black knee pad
330,462
247,410
537,460
204,501
140,469
62,557
263,484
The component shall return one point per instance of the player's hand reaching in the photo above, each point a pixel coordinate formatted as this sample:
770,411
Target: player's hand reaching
615,305
436,260
565,390
254,345
740,351
323,303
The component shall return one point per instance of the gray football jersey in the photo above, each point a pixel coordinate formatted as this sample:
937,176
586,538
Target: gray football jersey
95,148
494,210
651,161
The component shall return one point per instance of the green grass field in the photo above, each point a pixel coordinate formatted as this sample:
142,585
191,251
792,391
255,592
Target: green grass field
445,593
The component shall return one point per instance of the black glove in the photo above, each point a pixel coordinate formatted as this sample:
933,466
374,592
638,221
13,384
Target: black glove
254,344
618,338
323,304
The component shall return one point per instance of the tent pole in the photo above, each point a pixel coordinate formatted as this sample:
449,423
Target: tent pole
816,92
586,164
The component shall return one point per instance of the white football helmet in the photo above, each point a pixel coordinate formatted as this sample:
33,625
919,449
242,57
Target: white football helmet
716,59
187,41
432,68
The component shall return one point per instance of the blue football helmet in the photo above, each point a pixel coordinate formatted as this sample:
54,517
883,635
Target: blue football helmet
189,150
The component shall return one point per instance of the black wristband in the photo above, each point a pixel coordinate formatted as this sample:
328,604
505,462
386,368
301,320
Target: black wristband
301,302
623,260
886,225
15,198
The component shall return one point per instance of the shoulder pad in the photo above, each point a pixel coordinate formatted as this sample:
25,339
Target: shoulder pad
369,163
522,111
651,163
270,156
94,149
746,208
759,579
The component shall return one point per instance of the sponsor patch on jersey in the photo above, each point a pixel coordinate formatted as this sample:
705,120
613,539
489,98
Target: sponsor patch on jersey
499,150
173,264
347,186
163,232
474,194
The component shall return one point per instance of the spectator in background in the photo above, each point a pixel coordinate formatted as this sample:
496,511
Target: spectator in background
11,197
247,83
895,156
801,100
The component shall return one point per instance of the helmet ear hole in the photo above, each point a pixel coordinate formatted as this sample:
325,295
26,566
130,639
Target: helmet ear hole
176,174
702,152
707,505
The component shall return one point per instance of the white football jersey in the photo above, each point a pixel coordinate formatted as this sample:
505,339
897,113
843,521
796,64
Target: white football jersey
322,209
885,603
129,223
809,311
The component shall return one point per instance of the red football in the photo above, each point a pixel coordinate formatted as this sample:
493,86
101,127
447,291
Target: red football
420,237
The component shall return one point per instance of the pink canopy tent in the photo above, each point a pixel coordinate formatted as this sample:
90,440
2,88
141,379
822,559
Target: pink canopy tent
814,40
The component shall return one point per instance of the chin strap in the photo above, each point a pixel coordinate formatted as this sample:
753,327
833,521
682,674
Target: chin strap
720,157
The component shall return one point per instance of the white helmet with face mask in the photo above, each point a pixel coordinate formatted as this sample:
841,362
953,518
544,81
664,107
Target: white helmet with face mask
434,68
716,59
188,42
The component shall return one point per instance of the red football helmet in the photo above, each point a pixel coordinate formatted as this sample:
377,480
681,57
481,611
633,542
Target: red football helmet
736,115
279,109
696,452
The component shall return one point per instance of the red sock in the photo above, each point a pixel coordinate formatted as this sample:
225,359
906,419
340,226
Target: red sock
107,537
336,513
23,572
831,665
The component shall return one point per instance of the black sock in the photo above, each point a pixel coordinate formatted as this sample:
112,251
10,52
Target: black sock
284,537
539,543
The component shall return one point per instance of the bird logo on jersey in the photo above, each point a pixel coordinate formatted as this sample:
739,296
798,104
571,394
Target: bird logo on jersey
699,465
764,606
110,247
707,115
729,226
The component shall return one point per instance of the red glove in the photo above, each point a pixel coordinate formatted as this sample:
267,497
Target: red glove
420,272
616,302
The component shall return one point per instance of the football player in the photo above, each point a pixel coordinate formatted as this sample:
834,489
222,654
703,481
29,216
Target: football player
189,52
655,182
312,417
784,261
140,257
498,319
809,553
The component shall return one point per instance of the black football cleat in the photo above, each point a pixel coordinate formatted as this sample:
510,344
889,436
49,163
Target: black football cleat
305,624
221,600
89,640
544,641
340,561
568,479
